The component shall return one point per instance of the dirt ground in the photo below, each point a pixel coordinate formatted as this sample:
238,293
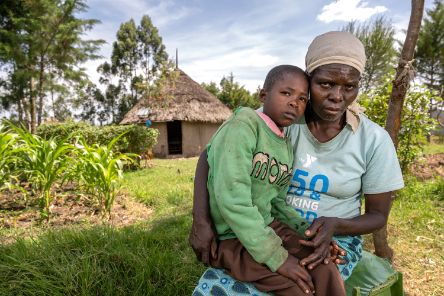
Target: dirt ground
429,167
68,209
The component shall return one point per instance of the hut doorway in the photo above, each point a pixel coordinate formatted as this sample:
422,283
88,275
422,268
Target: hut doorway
174,131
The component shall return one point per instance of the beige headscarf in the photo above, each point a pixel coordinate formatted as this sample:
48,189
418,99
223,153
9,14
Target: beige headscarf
335,48
338,48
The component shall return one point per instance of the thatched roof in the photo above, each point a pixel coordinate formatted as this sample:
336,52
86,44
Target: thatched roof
185,100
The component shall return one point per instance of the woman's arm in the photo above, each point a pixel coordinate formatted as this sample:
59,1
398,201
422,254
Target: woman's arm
377,209
202,236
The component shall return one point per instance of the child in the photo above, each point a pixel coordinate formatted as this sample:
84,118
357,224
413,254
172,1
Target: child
250,166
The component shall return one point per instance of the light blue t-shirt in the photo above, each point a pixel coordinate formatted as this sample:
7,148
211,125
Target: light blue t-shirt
330,178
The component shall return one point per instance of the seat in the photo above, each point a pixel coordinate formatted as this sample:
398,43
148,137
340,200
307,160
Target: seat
372,276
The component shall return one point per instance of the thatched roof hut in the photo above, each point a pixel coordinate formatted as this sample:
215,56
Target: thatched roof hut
186,115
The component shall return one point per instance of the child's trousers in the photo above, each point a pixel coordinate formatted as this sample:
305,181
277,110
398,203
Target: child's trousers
236,260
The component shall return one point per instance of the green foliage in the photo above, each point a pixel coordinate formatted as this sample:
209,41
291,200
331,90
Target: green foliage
136,139
8,156
232,94
140,61
430,49
43,162
99,170
41,46
416,123
378,39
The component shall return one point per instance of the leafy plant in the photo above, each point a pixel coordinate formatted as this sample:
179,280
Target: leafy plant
136,138
416,122
100,169
8,156
43,162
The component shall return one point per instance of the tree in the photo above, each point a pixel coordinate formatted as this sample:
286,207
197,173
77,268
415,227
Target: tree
378,39
139,59
41,38
430,50
401,83
232,94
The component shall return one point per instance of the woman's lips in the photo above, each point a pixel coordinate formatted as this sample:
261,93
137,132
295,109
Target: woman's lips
332,110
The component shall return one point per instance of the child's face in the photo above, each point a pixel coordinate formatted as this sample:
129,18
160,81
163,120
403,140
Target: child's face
285,102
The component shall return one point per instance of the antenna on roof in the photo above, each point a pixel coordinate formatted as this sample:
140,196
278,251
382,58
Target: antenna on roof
177,59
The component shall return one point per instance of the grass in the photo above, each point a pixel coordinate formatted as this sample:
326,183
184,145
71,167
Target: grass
435,146
153,258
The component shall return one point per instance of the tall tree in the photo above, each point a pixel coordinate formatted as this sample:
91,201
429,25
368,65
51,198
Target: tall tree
140,62
403,76
42,35
378,39
430,50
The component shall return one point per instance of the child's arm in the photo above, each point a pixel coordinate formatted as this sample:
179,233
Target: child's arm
286,214
230,156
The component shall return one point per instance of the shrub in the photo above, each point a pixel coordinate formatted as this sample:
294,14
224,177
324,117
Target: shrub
137,139
416,122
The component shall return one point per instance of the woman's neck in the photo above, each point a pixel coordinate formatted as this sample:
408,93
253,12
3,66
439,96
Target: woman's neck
323,130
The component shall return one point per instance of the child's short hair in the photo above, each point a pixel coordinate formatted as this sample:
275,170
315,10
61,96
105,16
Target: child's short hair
278,73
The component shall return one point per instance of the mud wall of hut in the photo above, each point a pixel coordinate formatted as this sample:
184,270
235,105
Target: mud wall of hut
195,136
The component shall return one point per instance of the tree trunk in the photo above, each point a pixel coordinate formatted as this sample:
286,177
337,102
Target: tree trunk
40,92
400,86
32,111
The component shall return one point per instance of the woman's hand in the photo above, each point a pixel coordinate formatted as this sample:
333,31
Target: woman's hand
203,240
322,229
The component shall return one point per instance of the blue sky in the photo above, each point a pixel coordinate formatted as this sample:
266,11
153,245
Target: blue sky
247,38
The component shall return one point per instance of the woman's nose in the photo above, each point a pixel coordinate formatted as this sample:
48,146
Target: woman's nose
336,94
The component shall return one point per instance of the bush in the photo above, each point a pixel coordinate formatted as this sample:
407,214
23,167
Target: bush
416,122
137,139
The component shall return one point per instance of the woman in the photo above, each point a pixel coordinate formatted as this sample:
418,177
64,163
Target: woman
340,155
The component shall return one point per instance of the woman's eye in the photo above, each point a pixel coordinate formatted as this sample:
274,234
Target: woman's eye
325,84
286,93
350,87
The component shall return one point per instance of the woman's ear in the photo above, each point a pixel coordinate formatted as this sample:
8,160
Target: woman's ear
262,95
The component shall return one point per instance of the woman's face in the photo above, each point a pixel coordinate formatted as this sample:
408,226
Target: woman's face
333,88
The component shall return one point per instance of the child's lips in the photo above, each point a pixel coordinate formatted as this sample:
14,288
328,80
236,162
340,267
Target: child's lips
290,116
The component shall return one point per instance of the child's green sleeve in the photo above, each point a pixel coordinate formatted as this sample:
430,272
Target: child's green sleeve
286,214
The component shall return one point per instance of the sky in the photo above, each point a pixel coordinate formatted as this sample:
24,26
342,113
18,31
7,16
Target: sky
247,38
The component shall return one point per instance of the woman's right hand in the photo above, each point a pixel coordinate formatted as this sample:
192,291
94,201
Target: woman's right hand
202,236
294,271
202,239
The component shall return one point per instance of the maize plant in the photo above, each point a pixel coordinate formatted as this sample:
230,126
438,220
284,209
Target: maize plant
8,157
43,162
100,169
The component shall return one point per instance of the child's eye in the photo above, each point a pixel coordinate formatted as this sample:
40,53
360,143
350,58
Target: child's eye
350,87
286,93
303,99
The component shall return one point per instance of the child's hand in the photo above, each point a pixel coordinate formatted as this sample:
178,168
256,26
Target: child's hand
294,271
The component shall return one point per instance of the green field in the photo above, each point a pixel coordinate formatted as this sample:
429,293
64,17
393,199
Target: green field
153,257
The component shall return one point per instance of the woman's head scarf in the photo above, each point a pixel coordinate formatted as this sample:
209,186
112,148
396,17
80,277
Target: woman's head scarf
335,48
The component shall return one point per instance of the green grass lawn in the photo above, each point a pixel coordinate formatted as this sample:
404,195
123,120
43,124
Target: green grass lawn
153,257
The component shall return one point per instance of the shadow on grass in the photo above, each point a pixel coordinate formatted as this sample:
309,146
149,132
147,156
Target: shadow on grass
150,259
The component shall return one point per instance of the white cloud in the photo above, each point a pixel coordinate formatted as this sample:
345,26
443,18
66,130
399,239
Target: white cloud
348,10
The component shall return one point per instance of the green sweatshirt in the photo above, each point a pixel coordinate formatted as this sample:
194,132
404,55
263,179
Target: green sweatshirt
250,170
